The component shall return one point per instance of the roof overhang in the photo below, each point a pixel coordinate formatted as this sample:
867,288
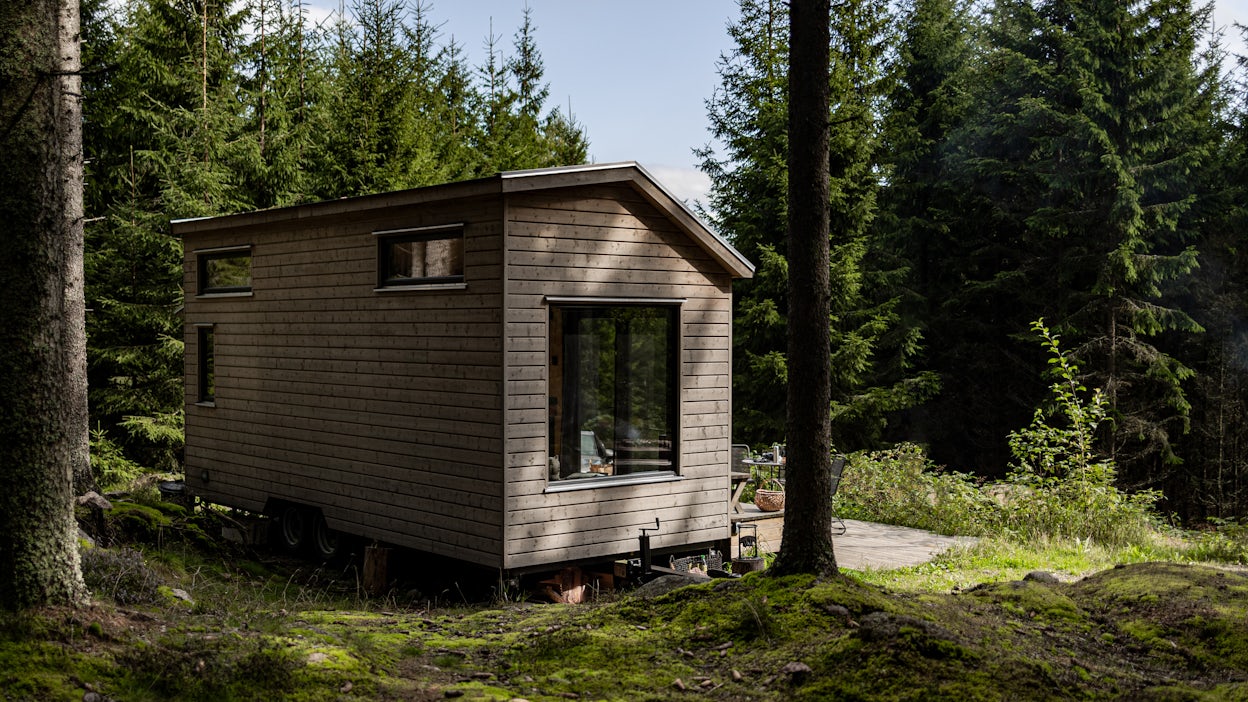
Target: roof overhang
507,182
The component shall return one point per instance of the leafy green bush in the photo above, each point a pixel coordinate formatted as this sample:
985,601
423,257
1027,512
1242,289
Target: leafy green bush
1064,488
1225,542
900,486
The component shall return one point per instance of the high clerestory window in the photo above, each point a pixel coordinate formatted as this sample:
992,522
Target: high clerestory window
224,271
420,257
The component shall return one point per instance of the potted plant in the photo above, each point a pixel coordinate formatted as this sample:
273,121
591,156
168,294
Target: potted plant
769,495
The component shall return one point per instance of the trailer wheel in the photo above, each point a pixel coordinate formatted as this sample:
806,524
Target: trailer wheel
293,530
328,544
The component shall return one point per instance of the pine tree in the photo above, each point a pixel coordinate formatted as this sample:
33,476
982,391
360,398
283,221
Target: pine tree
1213,481
920,233
1080,160
807,542
163,140
372,146
748,202
43,420
871,373
281,94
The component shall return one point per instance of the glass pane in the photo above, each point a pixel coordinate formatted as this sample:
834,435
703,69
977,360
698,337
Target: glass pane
227,272
207,366
613,399
409,260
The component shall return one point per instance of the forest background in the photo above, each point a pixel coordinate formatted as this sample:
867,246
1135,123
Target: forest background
993,163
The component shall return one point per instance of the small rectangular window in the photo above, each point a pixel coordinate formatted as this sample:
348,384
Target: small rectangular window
224,271
207,364
407,257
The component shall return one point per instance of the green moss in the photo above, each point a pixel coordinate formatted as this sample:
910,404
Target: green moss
1032,599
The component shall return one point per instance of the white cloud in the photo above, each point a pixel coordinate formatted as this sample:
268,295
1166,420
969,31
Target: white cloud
688,184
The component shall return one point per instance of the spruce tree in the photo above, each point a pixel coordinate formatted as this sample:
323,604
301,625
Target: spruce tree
748,203
1080,159
870,366
43,419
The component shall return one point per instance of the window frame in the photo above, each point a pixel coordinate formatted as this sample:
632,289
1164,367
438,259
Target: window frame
386,238
205,365
675,308
204,256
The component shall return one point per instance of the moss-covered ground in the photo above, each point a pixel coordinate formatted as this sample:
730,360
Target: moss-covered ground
189,622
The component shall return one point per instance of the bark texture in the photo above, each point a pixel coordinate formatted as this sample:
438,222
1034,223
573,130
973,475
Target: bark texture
807,540
43,406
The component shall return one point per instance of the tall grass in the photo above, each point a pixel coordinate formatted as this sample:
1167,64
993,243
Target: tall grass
901,486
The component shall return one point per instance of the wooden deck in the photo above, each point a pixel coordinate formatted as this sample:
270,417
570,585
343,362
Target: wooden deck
863,546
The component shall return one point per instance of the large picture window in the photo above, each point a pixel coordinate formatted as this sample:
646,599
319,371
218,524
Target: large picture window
415,257
224,271
613,391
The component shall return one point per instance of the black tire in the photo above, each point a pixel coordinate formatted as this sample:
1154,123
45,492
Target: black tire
294,529
327,544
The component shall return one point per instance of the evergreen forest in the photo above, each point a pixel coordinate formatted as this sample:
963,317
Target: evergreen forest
993,163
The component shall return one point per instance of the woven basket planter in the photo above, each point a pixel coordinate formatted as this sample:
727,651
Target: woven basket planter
769,500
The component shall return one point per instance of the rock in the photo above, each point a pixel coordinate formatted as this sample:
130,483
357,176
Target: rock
664,584
796,668
92,697
837,611
95,499
878,626
1040,576
737,676
679,684
449,694
317,657
180,594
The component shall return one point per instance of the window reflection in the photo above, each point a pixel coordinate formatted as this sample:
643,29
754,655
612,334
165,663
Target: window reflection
613,392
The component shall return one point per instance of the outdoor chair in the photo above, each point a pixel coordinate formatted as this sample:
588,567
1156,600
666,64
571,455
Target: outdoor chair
838,467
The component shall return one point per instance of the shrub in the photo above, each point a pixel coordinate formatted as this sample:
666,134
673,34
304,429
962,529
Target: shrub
121,575
1066,489
900,486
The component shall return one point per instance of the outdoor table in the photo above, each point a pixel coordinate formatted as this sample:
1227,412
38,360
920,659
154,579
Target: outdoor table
739,480
768,469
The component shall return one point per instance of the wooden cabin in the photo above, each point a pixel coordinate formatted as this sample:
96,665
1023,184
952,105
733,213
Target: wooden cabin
519,371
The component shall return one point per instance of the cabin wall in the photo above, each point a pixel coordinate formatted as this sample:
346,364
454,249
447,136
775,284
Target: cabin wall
383,408
609,241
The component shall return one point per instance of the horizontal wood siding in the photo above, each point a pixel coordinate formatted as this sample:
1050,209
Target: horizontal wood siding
384,409
609,241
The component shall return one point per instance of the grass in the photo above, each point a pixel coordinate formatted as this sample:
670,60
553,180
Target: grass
1150,619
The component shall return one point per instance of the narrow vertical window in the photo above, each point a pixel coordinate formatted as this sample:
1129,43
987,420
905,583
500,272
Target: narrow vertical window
207,364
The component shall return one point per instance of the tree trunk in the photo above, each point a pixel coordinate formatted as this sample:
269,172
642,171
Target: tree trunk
807,540
43,412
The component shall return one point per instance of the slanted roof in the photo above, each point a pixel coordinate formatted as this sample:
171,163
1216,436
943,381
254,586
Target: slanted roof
628,172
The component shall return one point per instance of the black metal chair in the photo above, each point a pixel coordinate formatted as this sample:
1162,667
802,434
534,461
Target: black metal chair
838,467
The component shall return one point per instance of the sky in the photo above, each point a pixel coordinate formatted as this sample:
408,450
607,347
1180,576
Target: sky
637,73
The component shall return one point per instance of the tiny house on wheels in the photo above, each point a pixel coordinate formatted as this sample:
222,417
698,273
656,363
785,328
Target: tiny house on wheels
519,371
